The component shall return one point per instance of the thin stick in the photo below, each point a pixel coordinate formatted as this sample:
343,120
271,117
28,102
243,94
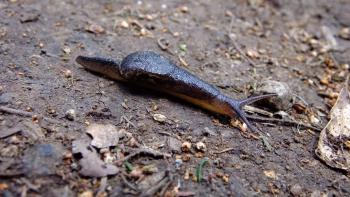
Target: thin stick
257,110
126,182
284,122
16,111
128,121
25,114
224,151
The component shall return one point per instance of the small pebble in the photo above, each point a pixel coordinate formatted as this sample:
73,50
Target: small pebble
296,190
70,114
184,9
5,98
284,94
174,145
345,33
66,50
159,117
201,146
186,157
124,24
68,74
186,146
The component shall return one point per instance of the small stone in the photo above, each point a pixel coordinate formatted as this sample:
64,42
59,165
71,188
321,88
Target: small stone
184,9
159,117
66,50
186,146
252,53
271,174
70,114
226,134
296,190
143,32
186,157
314,120
201,146
5,98
225,178
124,24
42,159
174,145
68,73
345,33
284,96
209,132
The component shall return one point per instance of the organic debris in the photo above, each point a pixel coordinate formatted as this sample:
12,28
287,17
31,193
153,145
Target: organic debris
334,143
91,164
104,136
199,169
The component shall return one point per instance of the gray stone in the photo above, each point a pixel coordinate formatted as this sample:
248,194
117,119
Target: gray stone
174,145
42,159
5,98
284,94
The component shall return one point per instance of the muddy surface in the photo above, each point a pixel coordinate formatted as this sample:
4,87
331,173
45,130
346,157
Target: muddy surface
231,44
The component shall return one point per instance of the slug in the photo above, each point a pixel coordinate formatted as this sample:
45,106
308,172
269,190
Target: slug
151,70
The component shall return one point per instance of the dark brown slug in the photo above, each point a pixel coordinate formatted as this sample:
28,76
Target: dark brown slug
151,70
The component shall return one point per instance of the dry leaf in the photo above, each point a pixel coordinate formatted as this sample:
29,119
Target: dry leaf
332,146
91,164
104,136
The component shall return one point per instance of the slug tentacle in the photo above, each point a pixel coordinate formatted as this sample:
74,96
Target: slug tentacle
253,99
237,107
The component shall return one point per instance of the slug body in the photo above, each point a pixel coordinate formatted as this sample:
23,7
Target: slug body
151,70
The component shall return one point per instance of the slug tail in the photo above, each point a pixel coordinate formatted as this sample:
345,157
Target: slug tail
237,106
104,66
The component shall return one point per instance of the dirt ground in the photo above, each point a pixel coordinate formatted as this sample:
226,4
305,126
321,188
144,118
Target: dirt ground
231,44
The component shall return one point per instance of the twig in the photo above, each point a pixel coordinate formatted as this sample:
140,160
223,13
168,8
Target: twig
284,122
13,173
242,53
167,178
146,151
26,114
102,188
300,98
16,111
257,110
224,151
127,183
162,193
128,121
